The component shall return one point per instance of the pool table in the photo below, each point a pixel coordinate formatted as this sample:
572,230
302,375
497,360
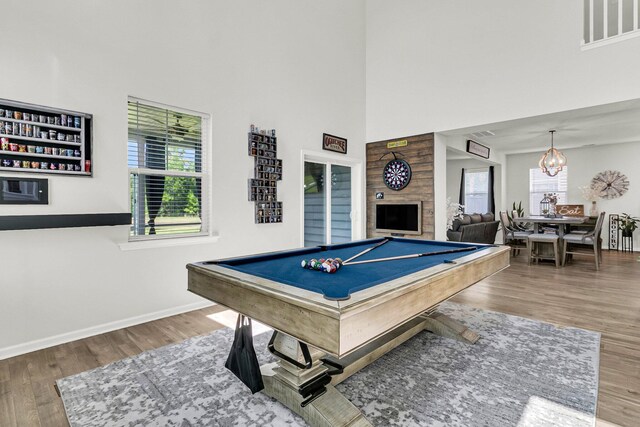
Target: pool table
328,326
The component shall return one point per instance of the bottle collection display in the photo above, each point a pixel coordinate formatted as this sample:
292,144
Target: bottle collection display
267,171
40,139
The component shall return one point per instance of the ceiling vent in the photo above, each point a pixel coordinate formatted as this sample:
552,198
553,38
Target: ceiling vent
482,134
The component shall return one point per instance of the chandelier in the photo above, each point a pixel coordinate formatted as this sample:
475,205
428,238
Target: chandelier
553,160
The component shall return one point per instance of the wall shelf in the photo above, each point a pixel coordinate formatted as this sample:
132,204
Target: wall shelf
32,222
267,171
33,139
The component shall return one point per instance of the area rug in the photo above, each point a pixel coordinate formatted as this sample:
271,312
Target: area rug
520,373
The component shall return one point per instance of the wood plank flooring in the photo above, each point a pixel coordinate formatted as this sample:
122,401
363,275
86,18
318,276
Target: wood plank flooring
607,301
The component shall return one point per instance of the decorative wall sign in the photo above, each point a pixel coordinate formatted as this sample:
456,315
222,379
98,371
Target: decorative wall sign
613,184
334,143
379,195
396,174
570,210
613,232
478,149
396,144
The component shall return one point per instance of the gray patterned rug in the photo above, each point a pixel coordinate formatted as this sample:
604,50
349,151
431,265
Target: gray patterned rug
520,373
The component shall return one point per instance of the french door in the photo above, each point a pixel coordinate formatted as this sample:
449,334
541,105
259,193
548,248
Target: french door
328,203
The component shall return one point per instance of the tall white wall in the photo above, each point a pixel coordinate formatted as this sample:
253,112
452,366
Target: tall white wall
297,66
583,164
438,65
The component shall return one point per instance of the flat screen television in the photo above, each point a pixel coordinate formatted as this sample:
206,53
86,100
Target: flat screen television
399,218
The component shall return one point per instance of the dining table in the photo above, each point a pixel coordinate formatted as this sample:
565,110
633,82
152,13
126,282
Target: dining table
563,222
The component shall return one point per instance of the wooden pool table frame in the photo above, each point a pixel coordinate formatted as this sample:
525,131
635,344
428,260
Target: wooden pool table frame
356,331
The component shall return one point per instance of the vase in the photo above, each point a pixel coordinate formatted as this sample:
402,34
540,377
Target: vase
594,209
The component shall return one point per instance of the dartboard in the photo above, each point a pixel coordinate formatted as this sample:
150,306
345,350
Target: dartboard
612,184
396,174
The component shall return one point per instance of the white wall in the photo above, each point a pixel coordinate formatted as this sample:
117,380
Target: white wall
297,66
583,164
439,65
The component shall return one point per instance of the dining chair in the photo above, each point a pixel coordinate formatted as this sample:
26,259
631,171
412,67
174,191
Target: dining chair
581,240
513,236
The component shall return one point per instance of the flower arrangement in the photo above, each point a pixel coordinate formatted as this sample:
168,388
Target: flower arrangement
454,210
590,192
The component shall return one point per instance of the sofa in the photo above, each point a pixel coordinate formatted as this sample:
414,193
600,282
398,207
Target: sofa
474,228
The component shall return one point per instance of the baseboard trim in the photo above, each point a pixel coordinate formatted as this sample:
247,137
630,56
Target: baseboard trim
28,347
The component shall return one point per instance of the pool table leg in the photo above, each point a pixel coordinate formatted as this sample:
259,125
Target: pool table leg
283,381
441,324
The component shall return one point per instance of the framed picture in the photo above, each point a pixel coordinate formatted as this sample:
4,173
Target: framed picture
477,149
334,143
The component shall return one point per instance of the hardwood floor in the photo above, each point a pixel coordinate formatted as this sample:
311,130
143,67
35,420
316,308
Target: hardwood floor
607,301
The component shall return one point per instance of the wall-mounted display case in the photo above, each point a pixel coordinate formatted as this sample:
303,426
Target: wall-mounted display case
38,139
263,188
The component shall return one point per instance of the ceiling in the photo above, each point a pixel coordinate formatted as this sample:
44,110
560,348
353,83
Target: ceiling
604,124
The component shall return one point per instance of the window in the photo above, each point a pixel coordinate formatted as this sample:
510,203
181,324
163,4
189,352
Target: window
167,171
476,190
610,20
541,183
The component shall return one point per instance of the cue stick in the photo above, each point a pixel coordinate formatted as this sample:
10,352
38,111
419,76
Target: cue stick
451,251
365,251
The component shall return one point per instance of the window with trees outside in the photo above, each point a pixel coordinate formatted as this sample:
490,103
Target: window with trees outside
167,171
540,184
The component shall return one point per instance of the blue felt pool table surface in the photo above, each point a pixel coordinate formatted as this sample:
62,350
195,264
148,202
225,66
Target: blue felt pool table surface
284,267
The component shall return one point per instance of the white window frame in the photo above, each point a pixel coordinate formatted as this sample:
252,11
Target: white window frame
606,39
204,174
562,195
476,170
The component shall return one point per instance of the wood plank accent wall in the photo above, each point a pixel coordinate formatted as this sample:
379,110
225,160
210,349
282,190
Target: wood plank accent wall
419,154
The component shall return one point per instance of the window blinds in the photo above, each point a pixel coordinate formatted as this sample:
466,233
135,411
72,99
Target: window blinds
167,172
540,183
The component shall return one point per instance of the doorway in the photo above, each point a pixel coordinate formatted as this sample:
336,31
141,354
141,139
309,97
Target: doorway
329,203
